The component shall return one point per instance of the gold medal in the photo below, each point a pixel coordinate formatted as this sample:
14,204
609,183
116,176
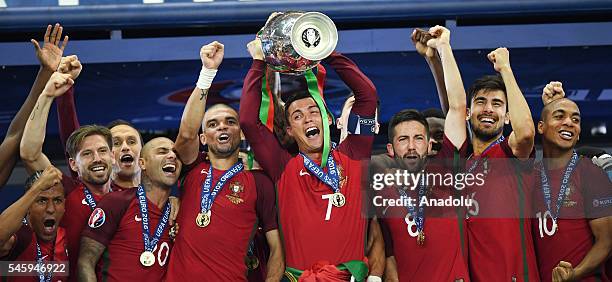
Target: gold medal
421,238
203,219
338,200
147,258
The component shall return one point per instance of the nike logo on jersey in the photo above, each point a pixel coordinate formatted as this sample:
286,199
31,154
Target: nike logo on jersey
204,171
84,202
137,218
302,172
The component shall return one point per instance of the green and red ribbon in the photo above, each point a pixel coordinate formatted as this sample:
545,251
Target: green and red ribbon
315,85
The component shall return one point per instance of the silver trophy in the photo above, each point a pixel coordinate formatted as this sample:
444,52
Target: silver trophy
294,42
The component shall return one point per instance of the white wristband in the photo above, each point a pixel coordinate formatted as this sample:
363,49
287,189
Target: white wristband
206,78
373,278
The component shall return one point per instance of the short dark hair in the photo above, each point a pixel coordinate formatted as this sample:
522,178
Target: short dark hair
73,144
296,96
487,83
434,113
118,122
406,115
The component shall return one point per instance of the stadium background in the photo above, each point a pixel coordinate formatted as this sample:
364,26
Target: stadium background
141,57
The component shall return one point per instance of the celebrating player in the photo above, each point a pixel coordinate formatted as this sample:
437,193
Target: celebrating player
29,230
318,206
132,225
90,156
221,202
422,247
500,204
572,230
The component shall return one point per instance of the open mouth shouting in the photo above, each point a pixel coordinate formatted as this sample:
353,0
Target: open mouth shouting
312,132
126,160
223,138
566,135
49,226
169,169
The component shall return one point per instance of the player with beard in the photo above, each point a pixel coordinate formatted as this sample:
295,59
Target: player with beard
572,225
49,57
221,202
29,229
90,156
427,243
499,206
127,141
314,230
132,225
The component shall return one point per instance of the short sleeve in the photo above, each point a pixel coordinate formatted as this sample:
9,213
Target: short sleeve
597,191
266,202
105,218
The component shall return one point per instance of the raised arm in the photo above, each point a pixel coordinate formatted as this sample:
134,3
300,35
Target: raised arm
268,151
356,146
35,128
90,253
419,38
11,218
49,57
454,124
187,144
66,110
521,139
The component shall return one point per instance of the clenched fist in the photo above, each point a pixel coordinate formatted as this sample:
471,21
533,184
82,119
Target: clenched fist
71,65
552,91
58,84
49,178
441,37
500,58
212,55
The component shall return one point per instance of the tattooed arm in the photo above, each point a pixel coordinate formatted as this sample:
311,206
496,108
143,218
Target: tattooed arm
91,251
187,142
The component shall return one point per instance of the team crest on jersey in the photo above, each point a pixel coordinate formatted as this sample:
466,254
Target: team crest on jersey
343,178
97,218
567,201
236,188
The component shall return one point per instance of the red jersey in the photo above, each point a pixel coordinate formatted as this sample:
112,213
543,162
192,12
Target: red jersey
573,239
312,229
443,228
119,228
75,218
24,249
217,251
500,242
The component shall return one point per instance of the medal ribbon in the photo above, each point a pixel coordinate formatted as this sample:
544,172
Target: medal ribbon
419,216
331,178
317,95
477,161
149,243
565,181
207,196
44,277
91,202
